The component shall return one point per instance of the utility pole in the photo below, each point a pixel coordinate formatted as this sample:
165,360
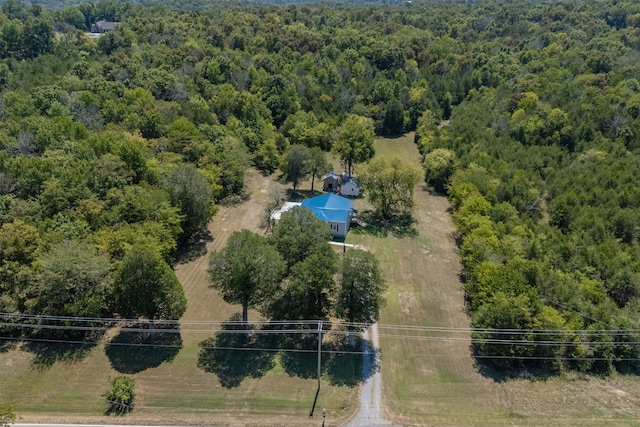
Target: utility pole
319,349
319,360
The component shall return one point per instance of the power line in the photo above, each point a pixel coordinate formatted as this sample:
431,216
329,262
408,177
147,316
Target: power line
311,323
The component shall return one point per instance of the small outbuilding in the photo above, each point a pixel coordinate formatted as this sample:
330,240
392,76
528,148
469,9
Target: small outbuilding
335,210
350,187
331,182
102,26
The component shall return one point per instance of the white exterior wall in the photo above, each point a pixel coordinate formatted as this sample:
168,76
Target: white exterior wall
350,189
338,229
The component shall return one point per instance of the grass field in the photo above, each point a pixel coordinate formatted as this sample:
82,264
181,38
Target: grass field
427,380
434,382
176,391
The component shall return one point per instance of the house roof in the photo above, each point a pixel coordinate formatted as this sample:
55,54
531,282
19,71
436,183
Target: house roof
330,207
350,180
328,201
332,175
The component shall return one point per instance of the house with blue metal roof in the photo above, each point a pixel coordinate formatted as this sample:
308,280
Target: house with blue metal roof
335,210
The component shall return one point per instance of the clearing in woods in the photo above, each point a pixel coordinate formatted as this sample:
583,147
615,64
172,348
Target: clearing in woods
428,378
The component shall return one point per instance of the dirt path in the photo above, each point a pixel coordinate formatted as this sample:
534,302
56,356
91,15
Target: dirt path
370,413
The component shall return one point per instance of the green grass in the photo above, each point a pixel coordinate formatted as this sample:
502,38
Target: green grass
428,381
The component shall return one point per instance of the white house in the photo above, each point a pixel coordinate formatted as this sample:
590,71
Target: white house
335,210
350,187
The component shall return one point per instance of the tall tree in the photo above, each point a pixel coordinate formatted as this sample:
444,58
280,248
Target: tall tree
393,122
355,141
318,164
389,184
360,294
191,192
310,289
145,286
295,165
298,233
246,271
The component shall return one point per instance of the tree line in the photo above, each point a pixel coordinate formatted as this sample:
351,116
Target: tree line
539,168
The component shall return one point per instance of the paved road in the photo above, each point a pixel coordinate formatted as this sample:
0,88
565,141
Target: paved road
370,413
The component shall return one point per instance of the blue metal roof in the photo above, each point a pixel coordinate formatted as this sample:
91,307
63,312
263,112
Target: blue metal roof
330,207
328,201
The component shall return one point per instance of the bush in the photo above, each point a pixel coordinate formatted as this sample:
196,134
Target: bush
120,394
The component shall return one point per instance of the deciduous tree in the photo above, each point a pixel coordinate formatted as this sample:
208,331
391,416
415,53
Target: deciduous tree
389,184
355,141
295,165
360,294
297,234
74,281
146,287
246,271
190,191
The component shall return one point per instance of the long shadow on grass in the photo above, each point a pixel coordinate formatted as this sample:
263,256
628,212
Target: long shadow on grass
375,225
51,346
234,354
299,195
341,364
193,248
50,353
136,348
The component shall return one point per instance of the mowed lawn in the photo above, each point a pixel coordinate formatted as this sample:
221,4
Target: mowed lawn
429,377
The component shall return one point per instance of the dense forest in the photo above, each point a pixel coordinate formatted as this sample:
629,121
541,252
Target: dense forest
115,150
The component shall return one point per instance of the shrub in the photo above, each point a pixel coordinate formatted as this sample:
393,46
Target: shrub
120,394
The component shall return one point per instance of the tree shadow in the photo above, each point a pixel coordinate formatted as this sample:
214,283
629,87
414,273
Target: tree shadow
233,355
48,352
118,409
7,345
193,248
500,369
348,366
340,364
299,195
398,226
136,348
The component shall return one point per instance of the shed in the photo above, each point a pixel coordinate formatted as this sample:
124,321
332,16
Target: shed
335,210
331,182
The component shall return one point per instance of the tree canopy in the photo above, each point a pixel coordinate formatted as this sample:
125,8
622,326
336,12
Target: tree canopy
526,113
355,141
146,287
389,183
247,271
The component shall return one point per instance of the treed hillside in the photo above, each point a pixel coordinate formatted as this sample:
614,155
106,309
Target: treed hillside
526,115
